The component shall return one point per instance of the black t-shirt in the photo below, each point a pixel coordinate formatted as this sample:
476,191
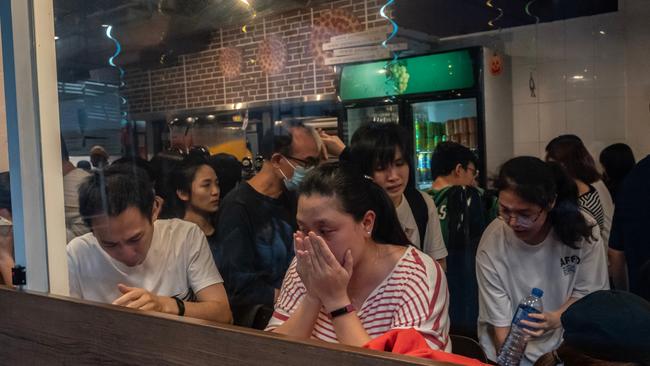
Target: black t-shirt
630,225
254,245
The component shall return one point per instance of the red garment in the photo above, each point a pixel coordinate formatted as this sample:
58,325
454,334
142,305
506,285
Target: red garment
411,343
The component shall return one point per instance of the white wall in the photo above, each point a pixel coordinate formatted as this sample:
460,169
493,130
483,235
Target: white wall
593,80
592,77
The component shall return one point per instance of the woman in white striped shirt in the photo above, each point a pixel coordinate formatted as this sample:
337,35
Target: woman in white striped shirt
355,276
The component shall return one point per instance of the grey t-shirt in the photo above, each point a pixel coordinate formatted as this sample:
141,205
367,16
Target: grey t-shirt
507,269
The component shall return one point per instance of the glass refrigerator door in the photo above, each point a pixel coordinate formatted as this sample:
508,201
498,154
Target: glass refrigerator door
434,122
358,116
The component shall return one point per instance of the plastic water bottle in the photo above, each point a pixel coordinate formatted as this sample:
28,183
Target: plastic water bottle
515,344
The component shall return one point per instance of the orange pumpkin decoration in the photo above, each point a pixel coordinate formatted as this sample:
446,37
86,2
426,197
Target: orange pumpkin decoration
496,64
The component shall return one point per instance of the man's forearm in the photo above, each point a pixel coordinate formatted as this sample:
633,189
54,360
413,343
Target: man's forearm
212,310
499,335
215,311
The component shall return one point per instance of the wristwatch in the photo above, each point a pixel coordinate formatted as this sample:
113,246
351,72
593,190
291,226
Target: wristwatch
181,305
349,308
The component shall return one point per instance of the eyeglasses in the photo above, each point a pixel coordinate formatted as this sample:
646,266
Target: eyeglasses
522,220
474,171
308,162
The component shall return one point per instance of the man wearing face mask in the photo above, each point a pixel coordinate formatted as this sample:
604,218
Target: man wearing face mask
254,245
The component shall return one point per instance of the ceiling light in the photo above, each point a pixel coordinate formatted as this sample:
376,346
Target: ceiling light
578,77
602,32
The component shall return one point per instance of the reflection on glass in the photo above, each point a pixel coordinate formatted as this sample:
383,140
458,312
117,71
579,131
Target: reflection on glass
435,122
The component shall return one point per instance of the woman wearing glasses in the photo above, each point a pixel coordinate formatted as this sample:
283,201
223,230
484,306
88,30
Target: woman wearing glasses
542,240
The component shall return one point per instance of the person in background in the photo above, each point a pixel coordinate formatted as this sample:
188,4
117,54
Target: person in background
98,157
163,165
593,196
541,240
608,328
256,220
180,134
629,244
617,160
463,212
455,166
229,171
197,194
6,231
378,150
132,259
134,162
72,178
356,276
85,165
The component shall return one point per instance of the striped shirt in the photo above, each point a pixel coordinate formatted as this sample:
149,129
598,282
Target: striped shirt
413,295
590,202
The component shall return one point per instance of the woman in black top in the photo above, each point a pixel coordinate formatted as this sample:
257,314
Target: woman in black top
197,194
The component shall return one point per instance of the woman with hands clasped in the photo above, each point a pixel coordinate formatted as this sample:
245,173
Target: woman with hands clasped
355,276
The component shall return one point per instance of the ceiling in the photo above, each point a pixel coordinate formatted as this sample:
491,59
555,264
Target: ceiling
153,32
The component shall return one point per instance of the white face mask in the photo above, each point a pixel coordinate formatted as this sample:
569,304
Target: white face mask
299,173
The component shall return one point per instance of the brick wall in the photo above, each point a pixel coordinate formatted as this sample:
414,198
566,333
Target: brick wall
197,82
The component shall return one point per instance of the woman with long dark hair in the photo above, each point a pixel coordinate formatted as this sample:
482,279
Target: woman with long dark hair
593,196
541,240
355,275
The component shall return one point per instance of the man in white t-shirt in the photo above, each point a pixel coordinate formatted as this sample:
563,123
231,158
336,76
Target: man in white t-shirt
131,259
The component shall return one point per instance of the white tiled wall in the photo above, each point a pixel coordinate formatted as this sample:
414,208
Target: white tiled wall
592,79
592,76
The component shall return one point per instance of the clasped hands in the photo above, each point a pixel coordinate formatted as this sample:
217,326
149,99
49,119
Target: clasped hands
323,276
138,298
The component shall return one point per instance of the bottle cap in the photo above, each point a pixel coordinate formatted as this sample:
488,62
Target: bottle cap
537,292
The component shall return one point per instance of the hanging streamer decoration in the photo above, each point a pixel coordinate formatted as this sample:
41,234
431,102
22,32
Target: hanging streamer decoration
492,22
111,61
397,75
253,14
531,80
528,12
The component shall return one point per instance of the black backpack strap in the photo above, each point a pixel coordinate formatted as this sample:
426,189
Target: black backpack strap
420,211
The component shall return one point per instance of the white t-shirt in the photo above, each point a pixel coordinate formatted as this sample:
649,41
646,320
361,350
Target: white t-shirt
434,244
608,209
507,269
179,263
73,221
414,295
